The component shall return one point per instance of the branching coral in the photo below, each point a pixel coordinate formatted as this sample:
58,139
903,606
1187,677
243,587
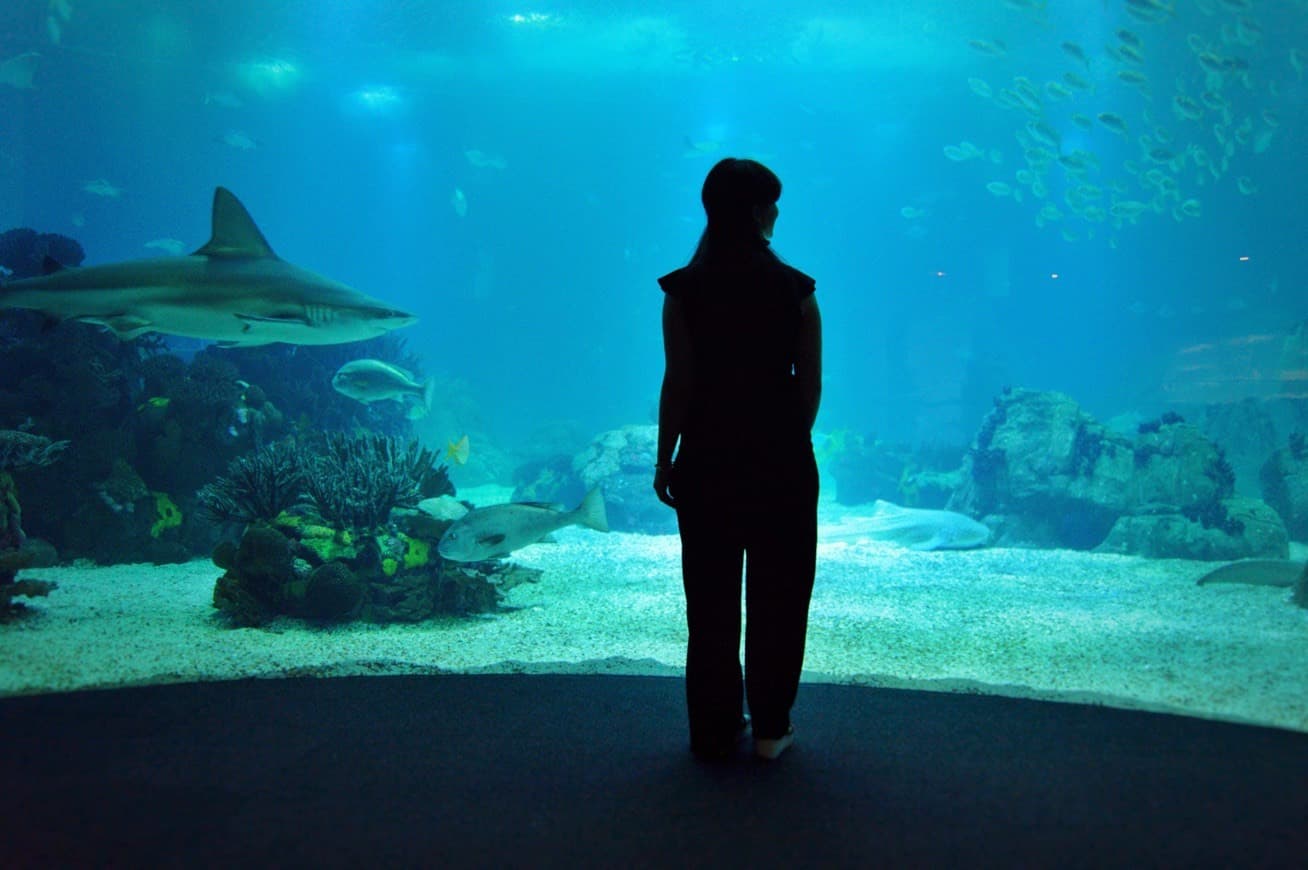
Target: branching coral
354,482
257,486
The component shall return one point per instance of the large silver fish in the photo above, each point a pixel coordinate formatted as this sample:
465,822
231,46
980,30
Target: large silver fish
371,380
233,290
491,532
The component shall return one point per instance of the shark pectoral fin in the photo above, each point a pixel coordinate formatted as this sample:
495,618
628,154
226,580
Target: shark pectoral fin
125,326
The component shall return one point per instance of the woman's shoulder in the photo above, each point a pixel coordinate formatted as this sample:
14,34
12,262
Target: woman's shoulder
677,281
803,284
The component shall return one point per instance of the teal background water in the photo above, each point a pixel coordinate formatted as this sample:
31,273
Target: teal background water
599,121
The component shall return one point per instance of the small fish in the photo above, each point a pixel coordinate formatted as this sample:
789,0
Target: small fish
459,203
18,71
482,160
238,140
101,187
168,246
457,451
1246,185
1113,122
371,380
497,530
1076,52
1186,108
223,99
994,48
1130,54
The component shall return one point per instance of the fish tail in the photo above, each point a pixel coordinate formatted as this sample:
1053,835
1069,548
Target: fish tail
591,513
428,393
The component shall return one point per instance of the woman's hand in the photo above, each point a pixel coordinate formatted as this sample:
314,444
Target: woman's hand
662,482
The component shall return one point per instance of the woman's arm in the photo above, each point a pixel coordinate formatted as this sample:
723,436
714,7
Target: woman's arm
674,398
808,359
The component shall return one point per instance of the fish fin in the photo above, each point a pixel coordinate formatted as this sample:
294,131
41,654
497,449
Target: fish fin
125,326
416,411
548,539
235,233
250,319
428,392
590,513
50,265
491,540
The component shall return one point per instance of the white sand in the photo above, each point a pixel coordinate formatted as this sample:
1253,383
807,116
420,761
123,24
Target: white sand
1057,625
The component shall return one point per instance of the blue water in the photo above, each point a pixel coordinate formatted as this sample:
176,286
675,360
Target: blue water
606,118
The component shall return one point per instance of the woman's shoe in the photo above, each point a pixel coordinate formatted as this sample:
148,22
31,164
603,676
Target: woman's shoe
771,749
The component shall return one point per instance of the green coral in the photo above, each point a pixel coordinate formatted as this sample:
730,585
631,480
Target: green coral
167,515
327,543
417,552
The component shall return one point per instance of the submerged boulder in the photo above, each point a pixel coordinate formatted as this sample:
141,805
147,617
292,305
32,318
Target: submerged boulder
1043,472
621,461
1285,485
1245,529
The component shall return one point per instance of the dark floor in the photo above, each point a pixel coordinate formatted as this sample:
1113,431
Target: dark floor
529,771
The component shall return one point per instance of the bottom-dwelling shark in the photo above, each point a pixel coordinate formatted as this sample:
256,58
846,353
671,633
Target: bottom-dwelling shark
233,290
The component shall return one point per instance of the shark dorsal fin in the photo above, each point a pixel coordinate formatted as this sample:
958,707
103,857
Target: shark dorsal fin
235,233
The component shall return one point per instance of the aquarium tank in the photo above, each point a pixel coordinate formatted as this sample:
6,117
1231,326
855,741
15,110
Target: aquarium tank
296,292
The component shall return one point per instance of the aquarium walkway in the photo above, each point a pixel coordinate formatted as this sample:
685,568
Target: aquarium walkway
539,771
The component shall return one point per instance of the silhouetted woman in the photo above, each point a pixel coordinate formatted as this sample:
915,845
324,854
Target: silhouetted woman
743,344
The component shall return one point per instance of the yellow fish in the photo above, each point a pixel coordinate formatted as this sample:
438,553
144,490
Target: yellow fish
457,451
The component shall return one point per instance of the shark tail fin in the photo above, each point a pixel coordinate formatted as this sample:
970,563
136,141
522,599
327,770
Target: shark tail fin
591,513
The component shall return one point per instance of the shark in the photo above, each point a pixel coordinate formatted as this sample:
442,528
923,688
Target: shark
234,290
914,528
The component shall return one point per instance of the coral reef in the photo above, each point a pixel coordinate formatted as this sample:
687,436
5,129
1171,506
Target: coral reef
324,575
257,486
23,251
19,449
353,482
11,562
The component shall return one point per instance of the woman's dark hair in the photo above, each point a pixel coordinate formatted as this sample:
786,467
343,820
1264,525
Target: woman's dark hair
733,191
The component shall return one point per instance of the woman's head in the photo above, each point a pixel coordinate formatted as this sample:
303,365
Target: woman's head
737,196
740,202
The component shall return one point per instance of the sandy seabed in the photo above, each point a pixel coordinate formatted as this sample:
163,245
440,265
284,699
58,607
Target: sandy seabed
1050,624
